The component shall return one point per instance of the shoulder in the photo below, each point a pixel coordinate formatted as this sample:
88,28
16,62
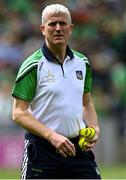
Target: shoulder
81,56
30,63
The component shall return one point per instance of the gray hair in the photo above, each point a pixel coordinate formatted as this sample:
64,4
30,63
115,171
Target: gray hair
55,9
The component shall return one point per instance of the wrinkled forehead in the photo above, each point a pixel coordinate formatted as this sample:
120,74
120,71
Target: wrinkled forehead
56,17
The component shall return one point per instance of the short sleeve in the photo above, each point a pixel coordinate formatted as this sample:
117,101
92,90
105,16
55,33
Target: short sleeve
25,87
88,79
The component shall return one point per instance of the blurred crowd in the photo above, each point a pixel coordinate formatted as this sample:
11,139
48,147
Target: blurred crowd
99,33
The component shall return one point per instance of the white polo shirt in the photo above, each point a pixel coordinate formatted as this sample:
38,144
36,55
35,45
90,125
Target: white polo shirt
54,90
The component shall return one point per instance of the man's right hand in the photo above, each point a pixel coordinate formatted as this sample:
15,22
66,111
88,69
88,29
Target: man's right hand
62,144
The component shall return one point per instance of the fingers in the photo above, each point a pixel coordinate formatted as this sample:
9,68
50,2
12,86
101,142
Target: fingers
71,148
65,152
89,145
67,149
62,153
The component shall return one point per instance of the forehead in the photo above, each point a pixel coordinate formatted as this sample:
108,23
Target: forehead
56,17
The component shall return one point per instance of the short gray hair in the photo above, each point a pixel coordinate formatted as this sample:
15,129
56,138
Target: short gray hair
55,9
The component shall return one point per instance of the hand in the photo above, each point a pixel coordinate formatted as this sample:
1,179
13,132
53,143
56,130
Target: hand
97,132
93,141
62,144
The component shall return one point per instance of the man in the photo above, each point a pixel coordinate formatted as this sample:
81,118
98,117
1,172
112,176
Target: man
52,101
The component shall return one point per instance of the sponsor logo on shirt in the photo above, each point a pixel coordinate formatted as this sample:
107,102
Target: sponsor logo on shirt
50,77
79,75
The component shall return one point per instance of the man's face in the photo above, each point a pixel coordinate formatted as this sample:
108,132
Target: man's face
56,29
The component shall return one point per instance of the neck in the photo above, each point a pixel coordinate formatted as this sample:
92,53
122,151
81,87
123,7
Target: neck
58,51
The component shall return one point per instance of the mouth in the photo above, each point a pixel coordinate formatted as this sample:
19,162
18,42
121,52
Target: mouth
58,36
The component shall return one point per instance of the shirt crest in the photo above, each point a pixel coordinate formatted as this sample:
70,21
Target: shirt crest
79,75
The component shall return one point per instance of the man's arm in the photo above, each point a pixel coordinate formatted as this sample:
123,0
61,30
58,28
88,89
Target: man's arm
90,116
25,119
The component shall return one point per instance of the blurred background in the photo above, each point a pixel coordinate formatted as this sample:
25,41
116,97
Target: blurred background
99,33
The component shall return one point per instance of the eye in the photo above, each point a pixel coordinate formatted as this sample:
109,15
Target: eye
52,24
63,23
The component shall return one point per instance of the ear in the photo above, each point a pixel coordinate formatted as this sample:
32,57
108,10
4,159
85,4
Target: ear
42,29
71,28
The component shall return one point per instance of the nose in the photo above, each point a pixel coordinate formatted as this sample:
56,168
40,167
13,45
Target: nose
58,27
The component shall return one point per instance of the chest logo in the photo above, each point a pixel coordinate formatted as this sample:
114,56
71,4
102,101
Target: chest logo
50,77
79,75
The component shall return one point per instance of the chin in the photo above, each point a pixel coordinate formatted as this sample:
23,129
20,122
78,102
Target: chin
59,43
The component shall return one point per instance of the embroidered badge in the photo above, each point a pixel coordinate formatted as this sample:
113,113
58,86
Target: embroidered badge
50,77
79,75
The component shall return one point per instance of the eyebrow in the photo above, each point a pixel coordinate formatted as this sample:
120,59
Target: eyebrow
61,22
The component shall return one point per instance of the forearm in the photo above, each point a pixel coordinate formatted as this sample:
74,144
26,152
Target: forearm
27,121
90,116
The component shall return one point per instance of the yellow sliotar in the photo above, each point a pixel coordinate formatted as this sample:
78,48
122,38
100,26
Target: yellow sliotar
82,143
88,133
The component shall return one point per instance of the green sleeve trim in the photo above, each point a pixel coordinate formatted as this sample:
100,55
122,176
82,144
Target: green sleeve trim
81,56
26,71
88,79
30,63
25,88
